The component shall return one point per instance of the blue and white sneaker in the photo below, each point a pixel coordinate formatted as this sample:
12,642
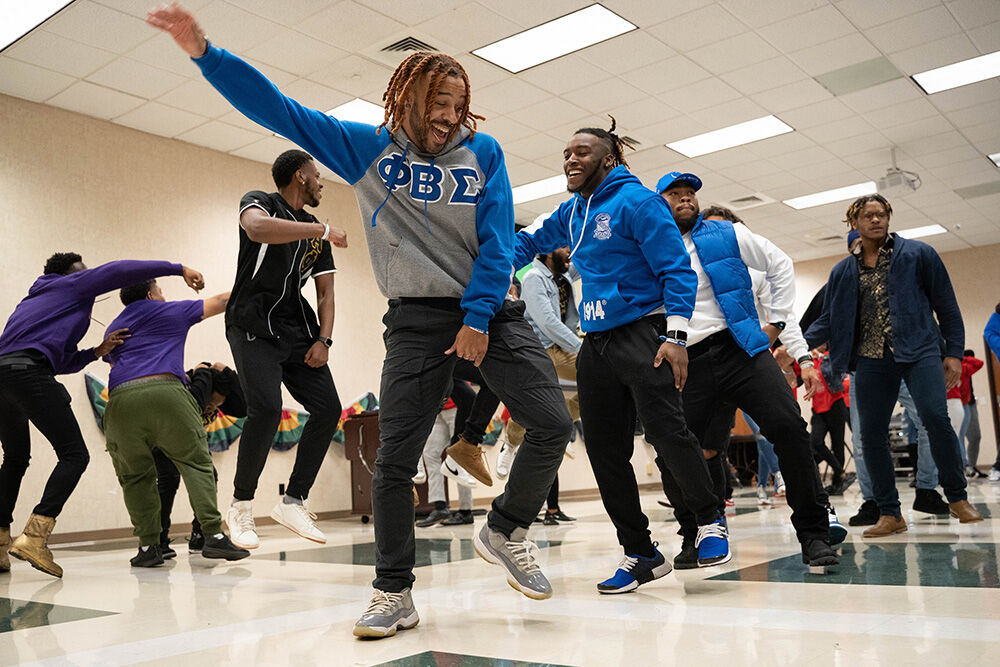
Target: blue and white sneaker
837,531
634,571
713,544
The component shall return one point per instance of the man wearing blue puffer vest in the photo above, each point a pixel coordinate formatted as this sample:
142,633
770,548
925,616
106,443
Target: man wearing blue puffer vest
730,361
638,293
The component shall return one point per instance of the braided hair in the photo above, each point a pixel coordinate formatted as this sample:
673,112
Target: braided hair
854,210
616,144
405,78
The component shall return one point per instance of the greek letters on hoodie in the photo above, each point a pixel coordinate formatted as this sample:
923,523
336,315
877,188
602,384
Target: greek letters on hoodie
628,250
437,225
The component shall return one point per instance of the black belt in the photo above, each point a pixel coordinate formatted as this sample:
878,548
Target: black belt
718,338
24,359
442,302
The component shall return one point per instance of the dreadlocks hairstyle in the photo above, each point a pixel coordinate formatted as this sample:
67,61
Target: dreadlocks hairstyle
405,78
60,262
616,144
716,211
854,210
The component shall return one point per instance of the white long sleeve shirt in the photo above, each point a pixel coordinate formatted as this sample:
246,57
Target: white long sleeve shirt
757,253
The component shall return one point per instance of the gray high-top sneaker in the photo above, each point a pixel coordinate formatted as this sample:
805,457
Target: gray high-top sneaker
387,613
517,556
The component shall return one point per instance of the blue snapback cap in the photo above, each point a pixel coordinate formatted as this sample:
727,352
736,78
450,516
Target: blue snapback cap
669,179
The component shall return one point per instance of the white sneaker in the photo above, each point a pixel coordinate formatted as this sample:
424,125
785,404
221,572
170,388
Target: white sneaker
762,498
505,459
570,451
779,485
239,520
995,475
451,469
299,520
421,475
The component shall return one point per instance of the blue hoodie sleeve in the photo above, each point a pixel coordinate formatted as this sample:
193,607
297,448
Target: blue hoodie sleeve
491,270
346,147
945,305
545,239
992,333
653,227
115,275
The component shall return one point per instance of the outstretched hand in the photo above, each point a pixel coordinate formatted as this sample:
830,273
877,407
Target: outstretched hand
113,340
181,25
338,237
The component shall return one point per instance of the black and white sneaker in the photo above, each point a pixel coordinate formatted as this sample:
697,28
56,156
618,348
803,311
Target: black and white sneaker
223,547
151,557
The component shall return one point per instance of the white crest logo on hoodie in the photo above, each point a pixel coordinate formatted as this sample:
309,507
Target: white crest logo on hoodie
603,231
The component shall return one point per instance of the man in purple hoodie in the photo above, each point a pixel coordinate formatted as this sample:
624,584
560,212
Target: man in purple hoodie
39,342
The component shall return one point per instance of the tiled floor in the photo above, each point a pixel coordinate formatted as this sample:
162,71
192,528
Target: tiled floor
928,596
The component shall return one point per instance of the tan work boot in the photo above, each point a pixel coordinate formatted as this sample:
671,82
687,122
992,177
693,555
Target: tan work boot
885,526
964,512
4,546
473,459
31,545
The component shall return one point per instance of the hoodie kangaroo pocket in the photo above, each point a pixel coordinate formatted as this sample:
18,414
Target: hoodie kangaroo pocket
603,305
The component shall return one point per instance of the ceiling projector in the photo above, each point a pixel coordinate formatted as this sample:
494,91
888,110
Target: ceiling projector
897,181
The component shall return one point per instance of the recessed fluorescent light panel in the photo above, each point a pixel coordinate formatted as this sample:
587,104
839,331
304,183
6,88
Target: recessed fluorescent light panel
20,18
995,159
359,111
551,40
917,232
734,135
959,74
538,189
830,196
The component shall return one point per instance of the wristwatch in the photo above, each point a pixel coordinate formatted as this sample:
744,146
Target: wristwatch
805,361
326,341
780,326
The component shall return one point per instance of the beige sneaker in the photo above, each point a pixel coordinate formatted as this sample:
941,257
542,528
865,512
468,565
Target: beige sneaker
242,530
298,519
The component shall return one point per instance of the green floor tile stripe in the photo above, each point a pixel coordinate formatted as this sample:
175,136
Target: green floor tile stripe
23,614
442,659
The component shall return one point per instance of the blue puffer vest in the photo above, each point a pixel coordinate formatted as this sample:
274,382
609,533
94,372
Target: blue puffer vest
719,253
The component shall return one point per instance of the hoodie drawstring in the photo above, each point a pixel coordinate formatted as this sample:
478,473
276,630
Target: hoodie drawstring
572,214
426,219
391,182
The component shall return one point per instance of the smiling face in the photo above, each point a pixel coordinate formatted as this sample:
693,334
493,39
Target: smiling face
431,129
683,203
586,161
308,176
872,222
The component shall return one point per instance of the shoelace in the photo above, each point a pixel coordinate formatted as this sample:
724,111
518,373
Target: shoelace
383,602
628,562
244,519
712,530
524,554
309,516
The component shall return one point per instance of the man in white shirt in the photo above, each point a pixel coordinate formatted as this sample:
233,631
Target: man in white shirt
730,361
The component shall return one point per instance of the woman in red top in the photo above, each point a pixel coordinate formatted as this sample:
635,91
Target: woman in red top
969,427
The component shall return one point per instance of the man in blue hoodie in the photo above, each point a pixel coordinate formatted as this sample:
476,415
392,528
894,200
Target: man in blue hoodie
638,293
879,321
439,217
38,343
731,360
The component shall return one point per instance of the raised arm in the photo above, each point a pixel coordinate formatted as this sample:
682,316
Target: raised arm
215,305
262,228
115,275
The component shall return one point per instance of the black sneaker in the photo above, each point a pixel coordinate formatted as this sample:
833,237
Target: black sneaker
550,519
929,501
223,547
458,518
434,518
151,557
867,515
816,553
167,551
687,559
196,542
562,517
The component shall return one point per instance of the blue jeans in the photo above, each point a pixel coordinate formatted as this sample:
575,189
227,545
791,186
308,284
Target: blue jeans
927,474
767,460
864,480
878,382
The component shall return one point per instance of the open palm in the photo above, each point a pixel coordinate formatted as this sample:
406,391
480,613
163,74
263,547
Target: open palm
181,25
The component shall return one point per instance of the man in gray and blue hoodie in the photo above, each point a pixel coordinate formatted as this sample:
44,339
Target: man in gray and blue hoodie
440,224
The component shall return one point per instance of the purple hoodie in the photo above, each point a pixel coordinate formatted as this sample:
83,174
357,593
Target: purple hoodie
55,315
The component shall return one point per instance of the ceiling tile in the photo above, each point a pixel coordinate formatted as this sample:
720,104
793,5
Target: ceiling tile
921,128
777,146
235,29
138,8
135,78
732,53
819,113
851,146
966,96
914,30
529,13
538,147
468,27
480,72
162,52
563,74
411,12
974,13
505,129
93,100
805,30
769,74
805,157
99,26
266,150
865,13
197,97
934,144
731,157
645,14
316,95
700,95
286,12
29,82
354,75
822,58
627,52
729,113
57,53
841,129
672,130
160,119
883,95
904,112
987,38
597,96
792,96
640,113
757,13
548,113
527,172
509,95
294,52
985,134
219,136
688,31
935,54
976,115
666,75
950,156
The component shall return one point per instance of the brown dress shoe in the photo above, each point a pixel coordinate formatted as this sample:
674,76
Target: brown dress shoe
885,526
473,459
32,545
964,512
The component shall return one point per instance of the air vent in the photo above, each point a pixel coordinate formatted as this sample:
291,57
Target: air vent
829,239
749,201
823,239
408,44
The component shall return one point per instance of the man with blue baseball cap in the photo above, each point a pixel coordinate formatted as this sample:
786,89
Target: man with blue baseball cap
729,361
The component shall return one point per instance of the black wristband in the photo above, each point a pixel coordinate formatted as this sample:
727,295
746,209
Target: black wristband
326,341
677,334
780,326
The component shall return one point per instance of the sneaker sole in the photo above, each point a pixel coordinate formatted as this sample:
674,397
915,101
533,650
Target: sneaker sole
825,561
483,552
446,471
222,555
480,472
232,538
372,632
628,588
724,559
277,519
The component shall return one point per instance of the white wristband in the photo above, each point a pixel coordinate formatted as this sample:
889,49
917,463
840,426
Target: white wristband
326,231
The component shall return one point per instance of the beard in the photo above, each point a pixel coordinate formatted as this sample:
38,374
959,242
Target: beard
686,224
